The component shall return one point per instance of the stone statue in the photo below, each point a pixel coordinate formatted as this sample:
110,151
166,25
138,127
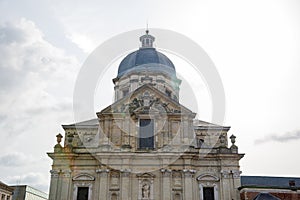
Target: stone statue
114,196
177,197
146,191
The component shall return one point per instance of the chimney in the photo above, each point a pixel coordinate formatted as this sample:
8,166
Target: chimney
292,184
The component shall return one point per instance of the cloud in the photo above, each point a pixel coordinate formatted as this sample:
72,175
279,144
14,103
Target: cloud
83,42
36,85
15,159
288,136
35,76
36,180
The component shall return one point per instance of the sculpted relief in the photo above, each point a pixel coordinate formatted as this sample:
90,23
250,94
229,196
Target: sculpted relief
145,102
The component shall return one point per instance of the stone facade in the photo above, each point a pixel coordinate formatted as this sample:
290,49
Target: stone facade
6,192
133,81
145,146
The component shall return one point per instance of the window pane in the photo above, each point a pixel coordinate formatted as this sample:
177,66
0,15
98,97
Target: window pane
125,92
146,134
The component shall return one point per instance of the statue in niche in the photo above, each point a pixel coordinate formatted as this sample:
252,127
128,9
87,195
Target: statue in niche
177,197
114,196
146,191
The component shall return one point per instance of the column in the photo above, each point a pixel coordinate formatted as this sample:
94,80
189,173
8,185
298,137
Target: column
188,175
103,190
53,184
65,184
166,184
125,184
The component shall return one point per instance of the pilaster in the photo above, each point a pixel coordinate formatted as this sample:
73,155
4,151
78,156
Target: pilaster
65,184
236,182
188,175
97,186
103,191
225,184
125,184
53,184
166,184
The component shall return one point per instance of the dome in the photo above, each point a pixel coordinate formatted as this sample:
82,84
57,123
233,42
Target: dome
139,59
146,58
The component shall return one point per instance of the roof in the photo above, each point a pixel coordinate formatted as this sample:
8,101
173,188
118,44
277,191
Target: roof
268,181
88,123
199,124
145,87
5,187
265,196
138,59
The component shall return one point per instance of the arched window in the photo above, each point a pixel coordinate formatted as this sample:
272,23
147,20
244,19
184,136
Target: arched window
147,42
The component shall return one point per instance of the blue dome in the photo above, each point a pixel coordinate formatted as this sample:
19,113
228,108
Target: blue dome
138,59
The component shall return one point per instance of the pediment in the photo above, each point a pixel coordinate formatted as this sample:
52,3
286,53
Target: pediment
84,177
207,177
146,175
144,100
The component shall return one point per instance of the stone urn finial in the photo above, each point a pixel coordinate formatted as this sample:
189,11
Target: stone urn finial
58,138
234,148
58,147
232,138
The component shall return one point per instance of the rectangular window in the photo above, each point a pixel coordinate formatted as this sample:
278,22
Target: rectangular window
208,193
83,193
169,93
146,134
125,92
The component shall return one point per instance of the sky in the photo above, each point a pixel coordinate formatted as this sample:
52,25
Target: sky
255,46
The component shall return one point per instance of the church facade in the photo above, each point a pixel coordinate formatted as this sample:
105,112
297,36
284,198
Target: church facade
145,145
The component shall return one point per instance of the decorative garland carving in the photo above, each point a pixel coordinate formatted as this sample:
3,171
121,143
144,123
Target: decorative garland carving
144,103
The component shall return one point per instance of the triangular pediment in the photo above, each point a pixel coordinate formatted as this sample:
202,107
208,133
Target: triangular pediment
144,100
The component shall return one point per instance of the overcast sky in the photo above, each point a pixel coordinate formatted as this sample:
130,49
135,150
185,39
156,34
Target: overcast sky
255,46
